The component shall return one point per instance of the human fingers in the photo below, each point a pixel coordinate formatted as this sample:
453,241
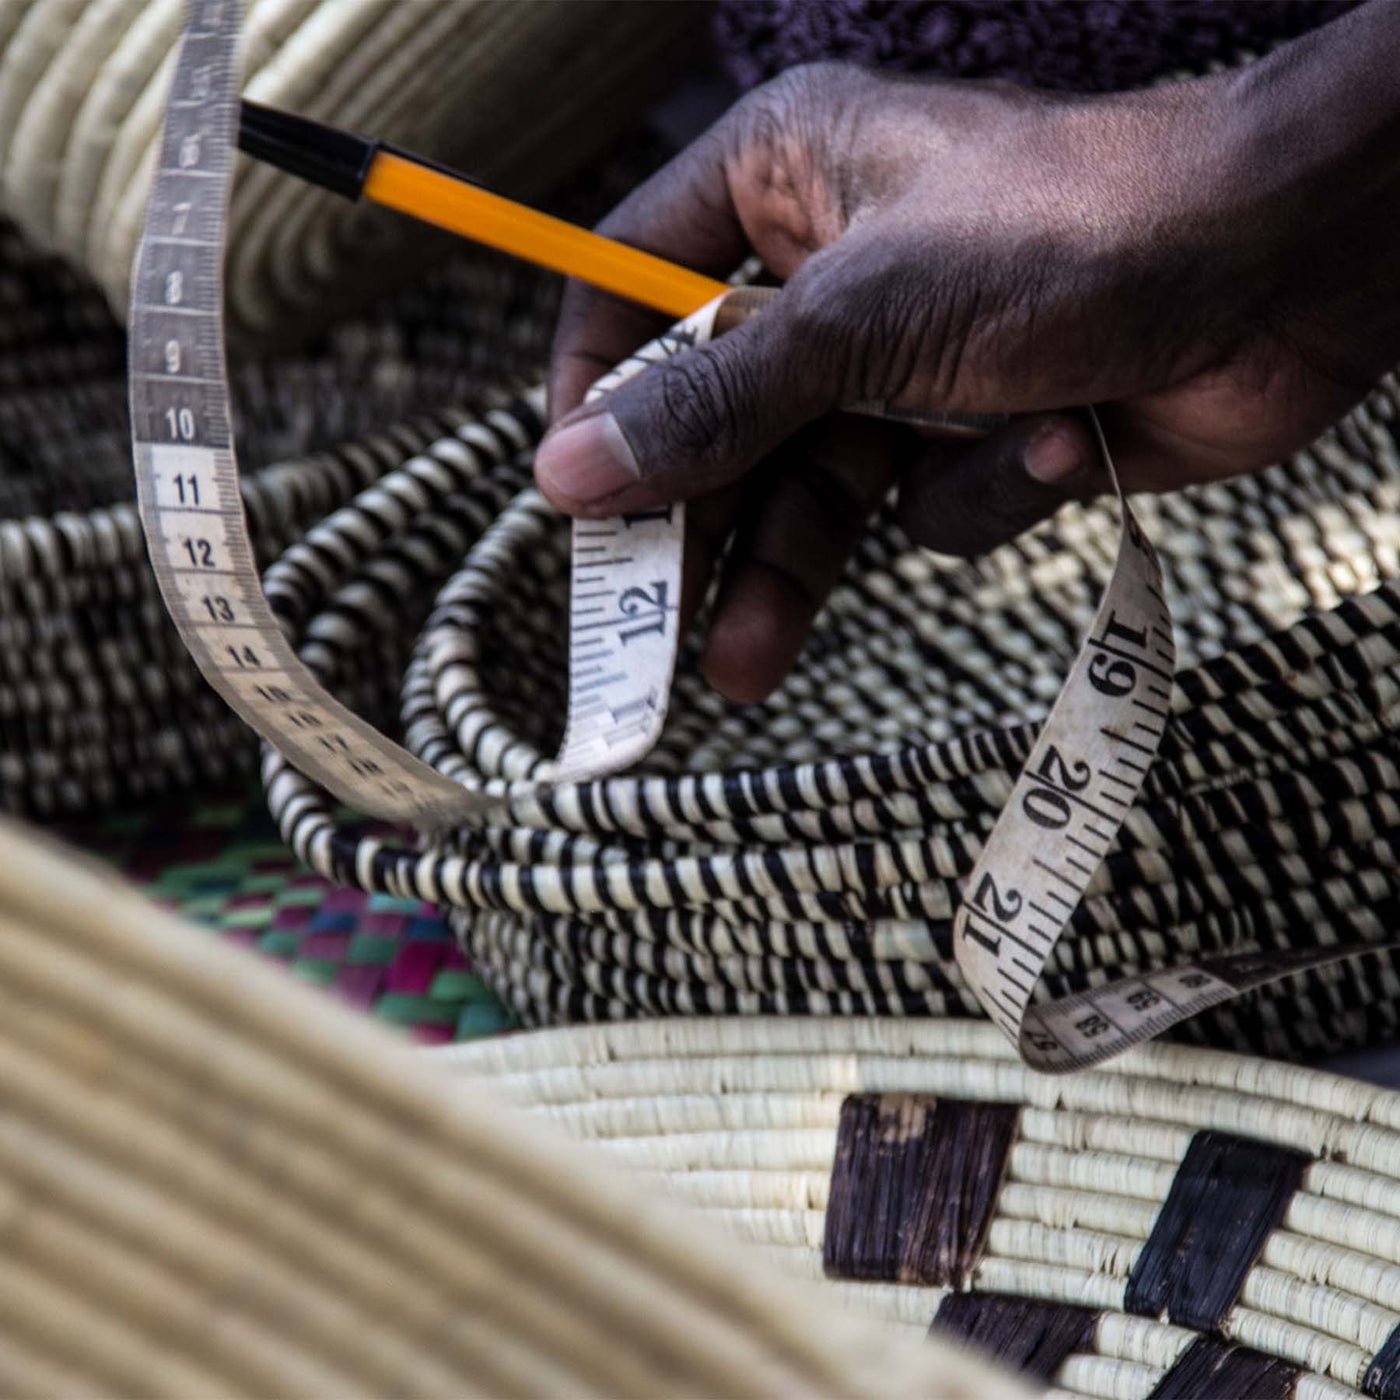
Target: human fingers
801,518
966,500
692,422
684,213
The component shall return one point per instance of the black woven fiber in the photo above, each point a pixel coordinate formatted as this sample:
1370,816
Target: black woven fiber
806,855
1228,1195
1024,1334
1210,1367
912,1186
99,702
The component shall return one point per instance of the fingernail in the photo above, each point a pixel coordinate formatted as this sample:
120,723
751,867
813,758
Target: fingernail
1053,455
587,460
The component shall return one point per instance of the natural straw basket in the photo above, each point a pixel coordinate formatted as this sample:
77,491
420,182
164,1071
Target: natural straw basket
216,1182
1158,1213
83,86
805,855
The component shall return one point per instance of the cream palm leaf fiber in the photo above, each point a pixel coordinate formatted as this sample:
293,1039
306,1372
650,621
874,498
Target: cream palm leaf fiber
217,1181
520,94
738,1119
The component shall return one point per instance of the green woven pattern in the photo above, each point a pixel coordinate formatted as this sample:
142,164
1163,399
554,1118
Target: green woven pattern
221,863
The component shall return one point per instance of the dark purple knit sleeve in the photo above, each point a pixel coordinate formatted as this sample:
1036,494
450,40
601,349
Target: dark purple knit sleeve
1071,45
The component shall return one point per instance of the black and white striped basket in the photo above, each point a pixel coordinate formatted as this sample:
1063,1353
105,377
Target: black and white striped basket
805,855
99,703
1182,1225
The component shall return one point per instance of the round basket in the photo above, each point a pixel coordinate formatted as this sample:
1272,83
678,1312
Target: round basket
805,855
217,1182
82,91
99,701
1183,1224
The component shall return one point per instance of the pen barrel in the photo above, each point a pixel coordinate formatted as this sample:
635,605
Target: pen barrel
742,304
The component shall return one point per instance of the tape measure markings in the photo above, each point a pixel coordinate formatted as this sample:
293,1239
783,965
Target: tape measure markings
624,606
187,479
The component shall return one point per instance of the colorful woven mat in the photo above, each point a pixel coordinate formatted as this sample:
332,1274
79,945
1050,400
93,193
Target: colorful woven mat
219,862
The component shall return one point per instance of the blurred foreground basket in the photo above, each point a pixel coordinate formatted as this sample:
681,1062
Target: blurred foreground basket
216,1182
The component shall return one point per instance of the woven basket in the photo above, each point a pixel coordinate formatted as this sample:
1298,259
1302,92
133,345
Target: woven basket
805,855
216,1182
99,702
800,856
1183,1224
82,91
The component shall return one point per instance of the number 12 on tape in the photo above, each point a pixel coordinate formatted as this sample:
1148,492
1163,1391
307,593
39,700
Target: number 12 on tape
624,606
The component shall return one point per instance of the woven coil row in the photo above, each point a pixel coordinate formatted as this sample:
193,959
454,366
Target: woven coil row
217,1182
99,702
805,855
742,1120
82,94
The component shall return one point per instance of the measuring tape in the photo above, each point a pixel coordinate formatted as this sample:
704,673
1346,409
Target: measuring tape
1065,810
624,606
187,482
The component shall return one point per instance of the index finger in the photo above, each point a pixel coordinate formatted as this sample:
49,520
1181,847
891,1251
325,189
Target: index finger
685,213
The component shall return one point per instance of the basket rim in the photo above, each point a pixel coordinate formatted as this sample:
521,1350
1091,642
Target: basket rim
612,1043
206,1166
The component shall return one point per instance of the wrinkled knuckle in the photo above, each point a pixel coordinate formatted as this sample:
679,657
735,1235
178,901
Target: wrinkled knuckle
766,120
764,111
795,88
698,401
797,104
813,310
821,319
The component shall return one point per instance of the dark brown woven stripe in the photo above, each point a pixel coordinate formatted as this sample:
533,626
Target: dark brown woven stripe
913,1185
1227,1195
1210,1367
1382,1378
1022,1333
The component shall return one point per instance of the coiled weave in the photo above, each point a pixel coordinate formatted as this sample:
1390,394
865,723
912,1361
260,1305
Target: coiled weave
82,92
805,855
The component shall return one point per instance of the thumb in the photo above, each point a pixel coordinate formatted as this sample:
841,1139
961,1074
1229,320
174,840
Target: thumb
688,424
991,492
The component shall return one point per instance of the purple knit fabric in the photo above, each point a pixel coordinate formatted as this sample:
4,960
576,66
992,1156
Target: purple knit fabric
1072,45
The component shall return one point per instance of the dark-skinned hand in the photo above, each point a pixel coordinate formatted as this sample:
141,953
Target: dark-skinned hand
1210,262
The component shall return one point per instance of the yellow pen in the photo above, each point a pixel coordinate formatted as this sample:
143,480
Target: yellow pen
355,167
